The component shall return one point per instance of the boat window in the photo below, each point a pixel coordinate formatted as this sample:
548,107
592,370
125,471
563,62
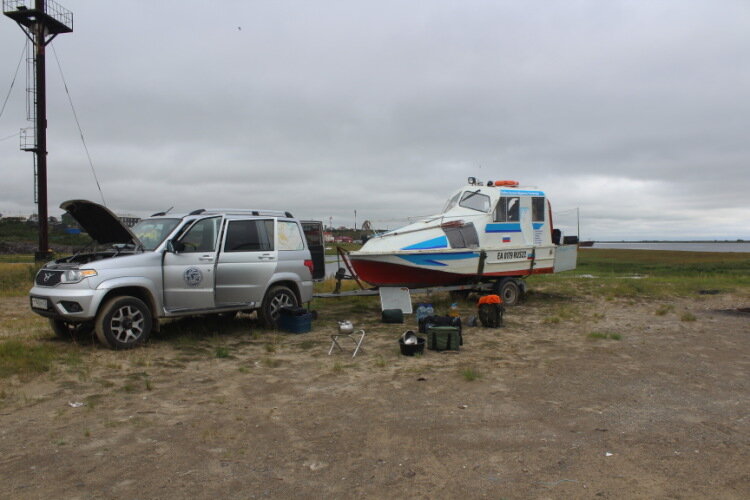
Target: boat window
507,209
452,202
151,232
537,209
475,201
249,236
462,236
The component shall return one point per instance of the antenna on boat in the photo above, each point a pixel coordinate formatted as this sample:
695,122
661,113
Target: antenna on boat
41,23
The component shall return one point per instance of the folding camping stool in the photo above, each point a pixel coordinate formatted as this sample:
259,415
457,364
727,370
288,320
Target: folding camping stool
357,337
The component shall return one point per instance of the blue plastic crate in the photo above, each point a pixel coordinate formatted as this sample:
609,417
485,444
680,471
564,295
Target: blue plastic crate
295,324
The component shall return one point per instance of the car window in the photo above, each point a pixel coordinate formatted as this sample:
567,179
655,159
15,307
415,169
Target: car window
202,236
290,236
249,236
151,232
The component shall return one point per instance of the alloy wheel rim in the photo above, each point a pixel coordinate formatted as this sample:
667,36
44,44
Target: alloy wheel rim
127,324
279,301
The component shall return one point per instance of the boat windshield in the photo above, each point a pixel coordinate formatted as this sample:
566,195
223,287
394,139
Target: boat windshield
151,232
475,201
452,202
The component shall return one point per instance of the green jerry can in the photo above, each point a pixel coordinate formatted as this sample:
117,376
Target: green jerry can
443,338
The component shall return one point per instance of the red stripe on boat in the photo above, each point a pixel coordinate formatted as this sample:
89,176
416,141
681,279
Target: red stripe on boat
389,274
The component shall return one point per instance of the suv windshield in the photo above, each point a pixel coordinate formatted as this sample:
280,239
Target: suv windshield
151,232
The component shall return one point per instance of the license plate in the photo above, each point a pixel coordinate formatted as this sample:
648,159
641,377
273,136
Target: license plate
37,303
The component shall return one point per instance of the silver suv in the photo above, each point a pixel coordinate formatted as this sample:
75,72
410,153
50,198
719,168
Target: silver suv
208,261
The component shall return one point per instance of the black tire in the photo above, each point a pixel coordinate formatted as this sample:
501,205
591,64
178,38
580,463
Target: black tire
510,292
71,331
276,297
123,323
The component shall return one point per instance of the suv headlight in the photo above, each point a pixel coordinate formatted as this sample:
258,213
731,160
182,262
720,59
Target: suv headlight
76,275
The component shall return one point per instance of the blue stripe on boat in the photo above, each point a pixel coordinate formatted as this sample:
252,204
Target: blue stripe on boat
503,227
432,259
538,225
439,242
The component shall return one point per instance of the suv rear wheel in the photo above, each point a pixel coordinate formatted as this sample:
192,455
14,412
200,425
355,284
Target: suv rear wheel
276,297
123,323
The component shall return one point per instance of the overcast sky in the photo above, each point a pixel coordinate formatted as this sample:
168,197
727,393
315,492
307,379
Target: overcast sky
638,112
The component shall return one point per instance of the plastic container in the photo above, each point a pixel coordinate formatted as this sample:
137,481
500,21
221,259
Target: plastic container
411,349
453,311
424,310
293,322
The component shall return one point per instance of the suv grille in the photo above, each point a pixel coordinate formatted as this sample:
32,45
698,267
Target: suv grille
48,278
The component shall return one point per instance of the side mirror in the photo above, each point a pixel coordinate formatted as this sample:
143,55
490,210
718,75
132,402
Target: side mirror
175,246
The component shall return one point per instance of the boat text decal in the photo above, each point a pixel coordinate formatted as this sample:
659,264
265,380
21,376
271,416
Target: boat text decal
511,255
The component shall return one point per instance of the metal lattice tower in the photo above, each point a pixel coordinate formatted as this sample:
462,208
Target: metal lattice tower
41,21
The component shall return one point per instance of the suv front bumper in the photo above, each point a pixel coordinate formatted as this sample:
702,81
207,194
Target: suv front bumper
72,304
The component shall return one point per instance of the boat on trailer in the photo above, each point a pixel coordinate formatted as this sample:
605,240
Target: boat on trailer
496,231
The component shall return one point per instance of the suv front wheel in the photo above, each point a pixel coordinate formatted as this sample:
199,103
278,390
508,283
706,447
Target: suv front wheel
123,323
276,297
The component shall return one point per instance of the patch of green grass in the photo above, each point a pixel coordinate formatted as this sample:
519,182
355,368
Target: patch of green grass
604,336
663,309
272,362
16,279
129,387
688,316
470,374
222,352
307,344
337,367
19,358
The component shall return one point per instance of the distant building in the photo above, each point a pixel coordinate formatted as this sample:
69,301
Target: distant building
343,239
129,221
328,237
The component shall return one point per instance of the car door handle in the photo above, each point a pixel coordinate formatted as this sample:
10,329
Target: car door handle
206,258
266,257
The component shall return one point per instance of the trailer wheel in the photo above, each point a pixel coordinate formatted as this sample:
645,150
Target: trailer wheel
509,291
123,323
67,330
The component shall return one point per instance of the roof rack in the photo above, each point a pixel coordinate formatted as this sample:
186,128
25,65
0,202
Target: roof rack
243,211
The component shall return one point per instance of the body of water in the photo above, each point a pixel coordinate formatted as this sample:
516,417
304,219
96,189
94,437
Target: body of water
698,246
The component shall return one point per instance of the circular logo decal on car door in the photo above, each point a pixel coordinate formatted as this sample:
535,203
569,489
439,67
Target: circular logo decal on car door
193,276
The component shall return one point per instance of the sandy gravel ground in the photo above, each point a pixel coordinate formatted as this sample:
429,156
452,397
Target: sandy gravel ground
664,412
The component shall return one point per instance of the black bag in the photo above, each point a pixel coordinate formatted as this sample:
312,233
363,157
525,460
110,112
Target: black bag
491,315
426,323
392,316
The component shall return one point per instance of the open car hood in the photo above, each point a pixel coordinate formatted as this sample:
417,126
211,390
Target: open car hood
103,226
